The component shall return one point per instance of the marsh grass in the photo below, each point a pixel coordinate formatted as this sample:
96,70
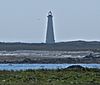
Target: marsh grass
51,77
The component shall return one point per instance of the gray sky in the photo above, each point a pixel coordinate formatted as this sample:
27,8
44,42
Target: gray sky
25,20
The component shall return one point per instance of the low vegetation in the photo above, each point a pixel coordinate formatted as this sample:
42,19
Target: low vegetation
69,76
61,46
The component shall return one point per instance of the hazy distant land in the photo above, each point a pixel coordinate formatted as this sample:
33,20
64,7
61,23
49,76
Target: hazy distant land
64,52
60,46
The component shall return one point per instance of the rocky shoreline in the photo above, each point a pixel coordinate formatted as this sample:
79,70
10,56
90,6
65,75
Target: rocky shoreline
21,60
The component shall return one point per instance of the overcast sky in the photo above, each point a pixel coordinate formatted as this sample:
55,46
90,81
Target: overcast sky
25,20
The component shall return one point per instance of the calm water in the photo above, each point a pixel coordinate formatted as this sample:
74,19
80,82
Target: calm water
42,66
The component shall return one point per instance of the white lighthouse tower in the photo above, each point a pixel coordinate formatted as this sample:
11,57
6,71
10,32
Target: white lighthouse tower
50,32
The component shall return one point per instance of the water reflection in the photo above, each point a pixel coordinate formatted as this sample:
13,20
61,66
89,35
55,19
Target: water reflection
42,66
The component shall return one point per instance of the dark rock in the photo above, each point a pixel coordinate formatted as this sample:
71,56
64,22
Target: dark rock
75,67
89,56
27,60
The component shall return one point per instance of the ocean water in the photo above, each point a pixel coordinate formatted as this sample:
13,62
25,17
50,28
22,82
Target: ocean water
42,66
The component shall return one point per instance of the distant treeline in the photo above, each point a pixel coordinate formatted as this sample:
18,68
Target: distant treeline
62,46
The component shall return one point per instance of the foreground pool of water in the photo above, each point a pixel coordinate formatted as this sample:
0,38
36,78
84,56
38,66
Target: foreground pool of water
42,66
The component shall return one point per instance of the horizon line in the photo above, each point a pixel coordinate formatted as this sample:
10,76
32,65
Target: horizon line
54,43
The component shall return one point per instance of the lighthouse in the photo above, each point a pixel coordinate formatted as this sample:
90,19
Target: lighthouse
50,32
